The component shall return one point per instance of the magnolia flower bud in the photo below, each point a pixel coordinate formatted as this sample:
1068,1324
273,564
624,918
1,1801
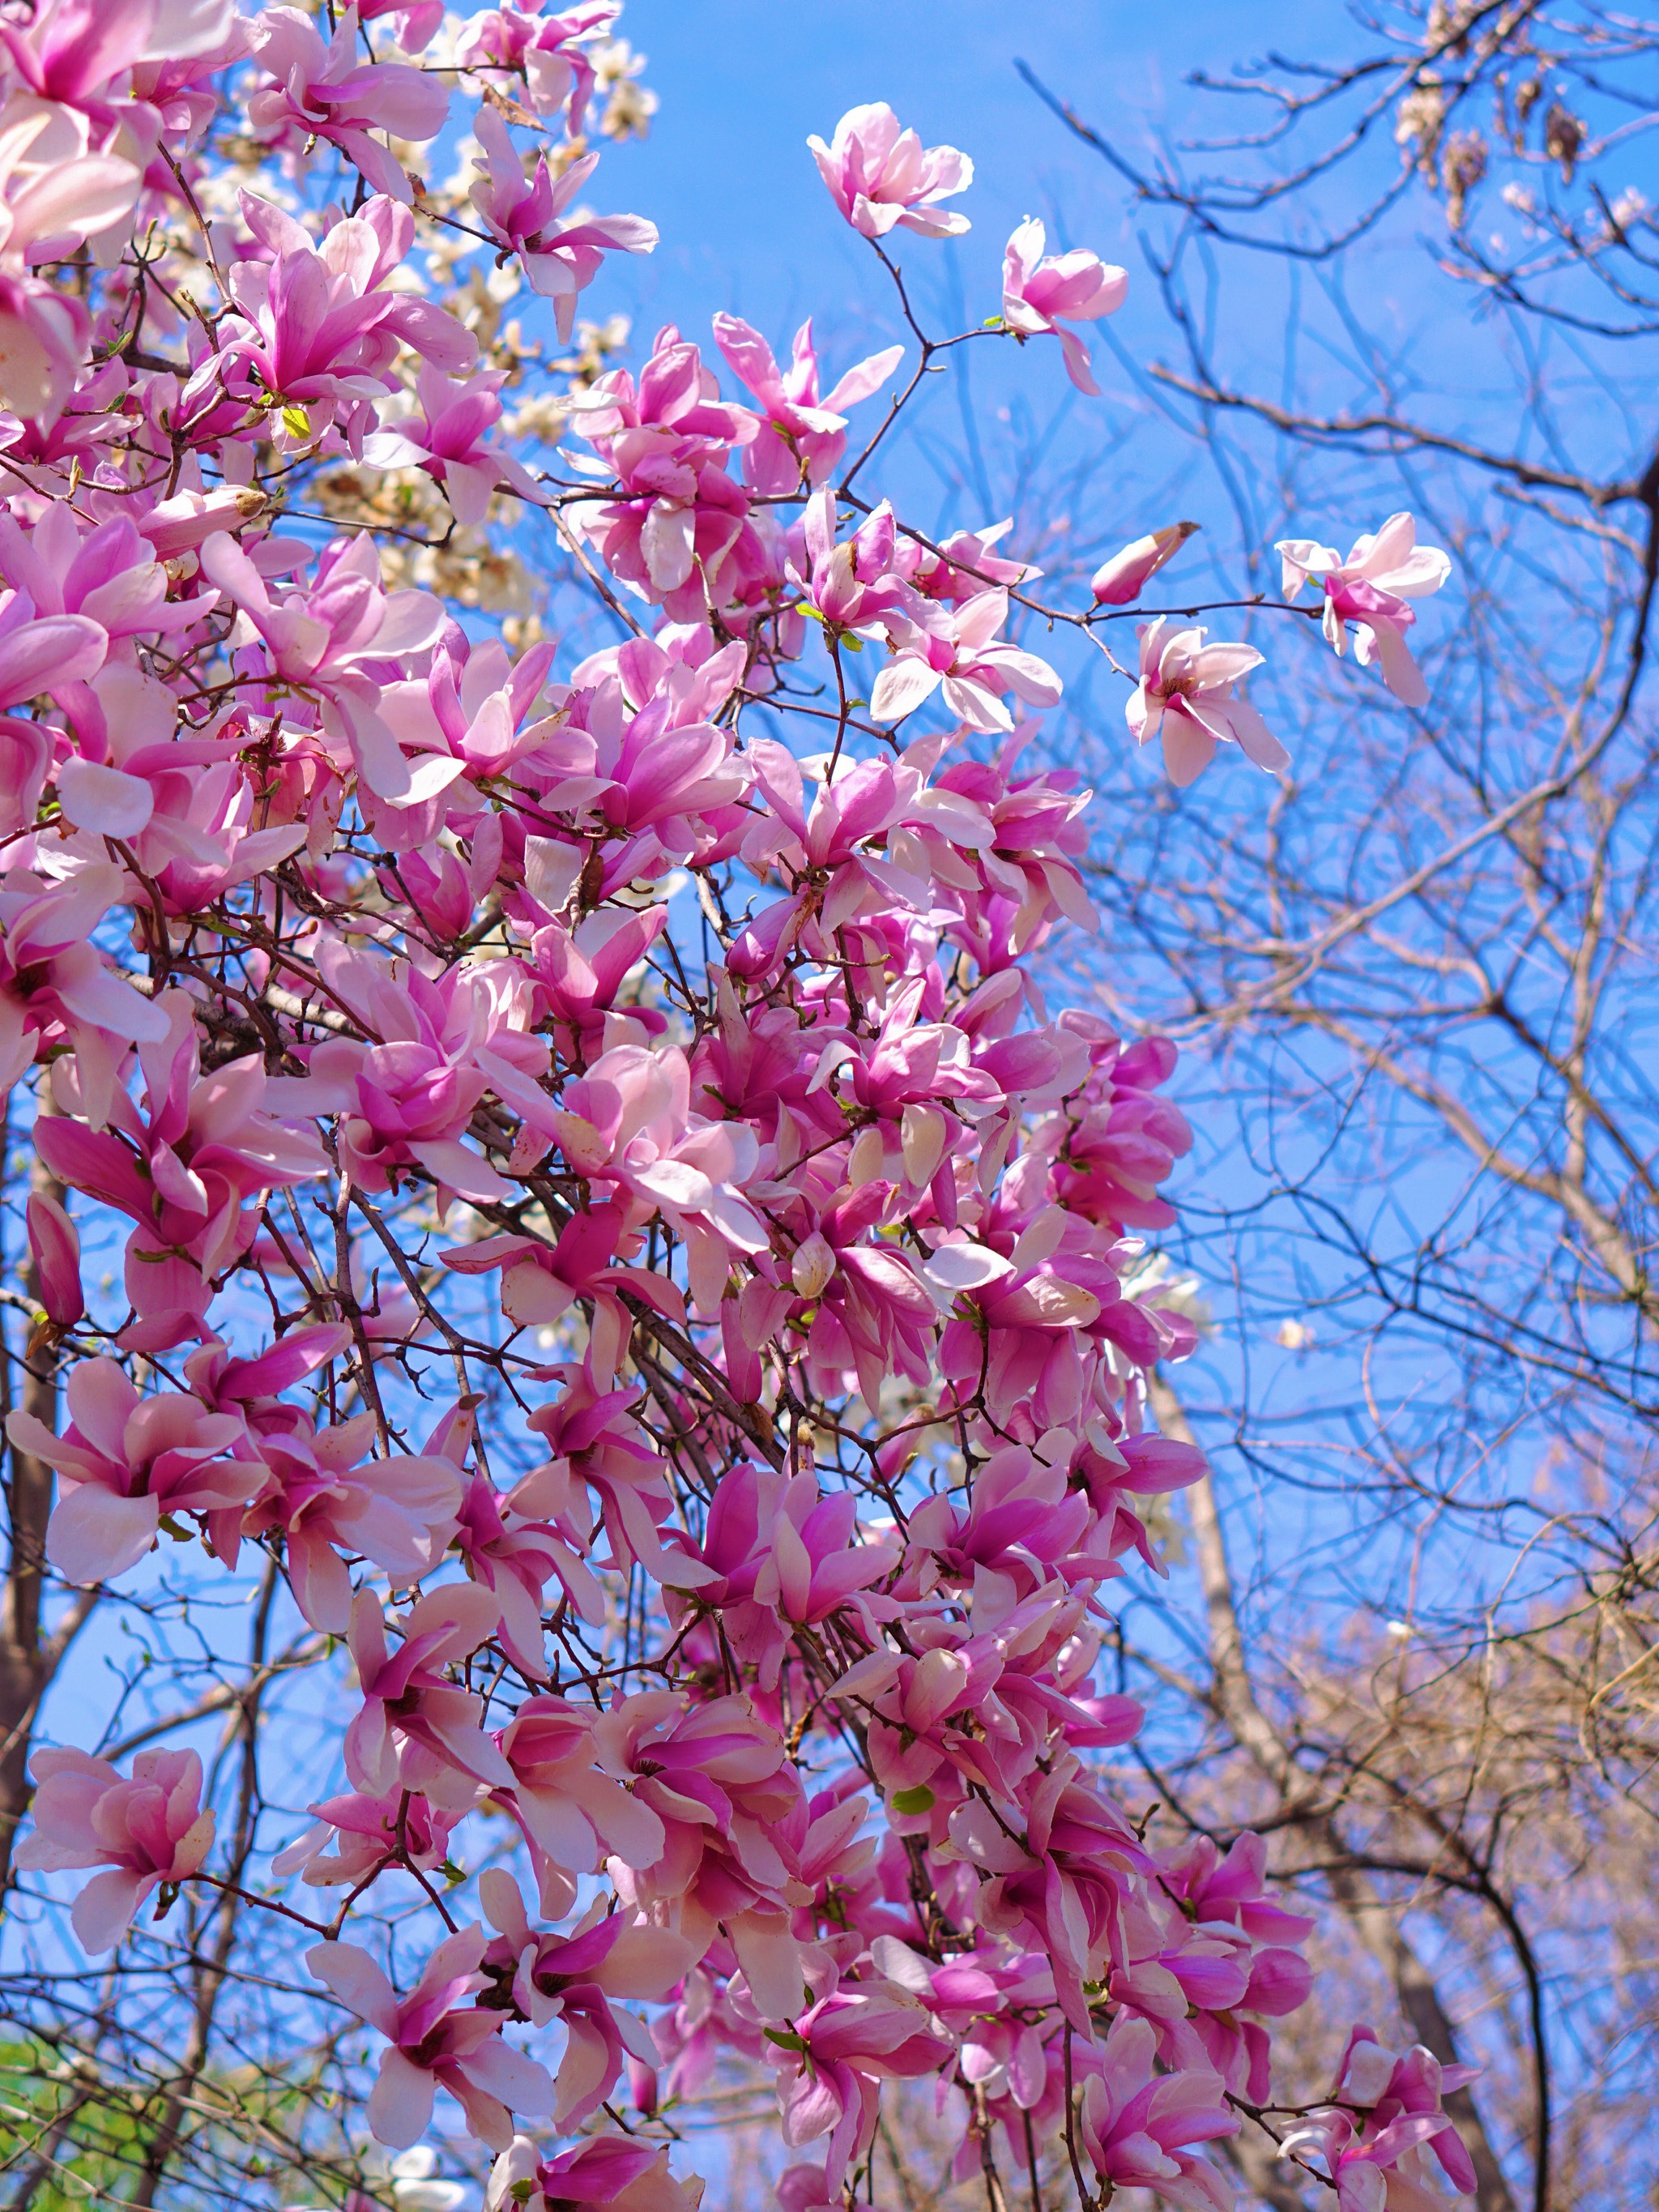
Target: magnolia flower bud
55,1250
1126,574
814,1264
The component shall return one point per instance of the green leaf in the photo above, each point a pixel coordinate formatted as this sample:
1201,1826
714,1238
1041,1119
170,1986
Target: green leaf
296,420
785,2038
918,1800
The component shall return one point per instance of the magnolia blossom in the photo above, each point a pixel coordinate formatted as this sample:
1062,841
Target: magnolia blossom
148,1831
1124,576
962,654
323,86
1186,694
879,176
1371,592
434,2041
126,1462
1039,292
560,260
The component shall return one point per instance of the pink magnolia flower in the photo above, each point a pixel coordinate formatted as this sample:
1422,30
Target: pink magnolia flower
109,575
323,89
442,429
627,1123
599,1449
854,584
1039,293
879,175
326,1499
833,2061
433,2042
574,1816
560,260
623,2173
414,1727
334,640
185,805
416,22
472,715
575,1978
784,1553
55,193
540,1282
407,1097
182,1170
550,52
353,1837
1376,2144
1371,591
1138,2127
126,1463
802,436
147,1831
717,1775
1186,691
54,983
1124,576
55,1253
961,650
682,529
317,325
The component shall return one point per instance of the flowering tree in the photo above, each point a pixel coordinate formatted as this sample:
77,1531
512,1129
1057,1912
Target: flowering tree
601,1214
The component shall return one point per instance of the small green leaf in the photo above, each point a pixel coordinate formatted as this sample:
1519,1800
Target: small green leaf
296,420
785,2038
918,1800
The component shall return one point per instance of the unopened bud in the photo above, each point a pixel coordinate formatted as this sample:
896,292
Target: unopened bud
1127,574
813,1265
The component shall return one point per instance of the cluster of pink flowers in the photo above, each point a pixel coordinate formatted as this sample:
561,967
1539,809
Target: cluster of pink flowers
829,1237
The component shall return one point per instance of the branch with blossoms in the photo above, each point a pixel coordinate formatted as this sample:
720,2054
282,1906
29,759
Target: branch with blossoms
604,1207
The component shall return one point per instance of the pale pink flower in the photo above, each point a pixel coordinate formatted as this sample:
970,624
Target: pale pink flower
1377,2142
52,979
549,51
433,2042
838,2054
416,1727
442,429
126,1462
55,193
1140,2127
626,1122
1186,692
55,1250
335,639
326,1499
854,584
623,2173
1371,591
353,1837
318,324
879,176
147,1831
1124,576
575,1978
1039,293
802,435
963,652
560,258
324,88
